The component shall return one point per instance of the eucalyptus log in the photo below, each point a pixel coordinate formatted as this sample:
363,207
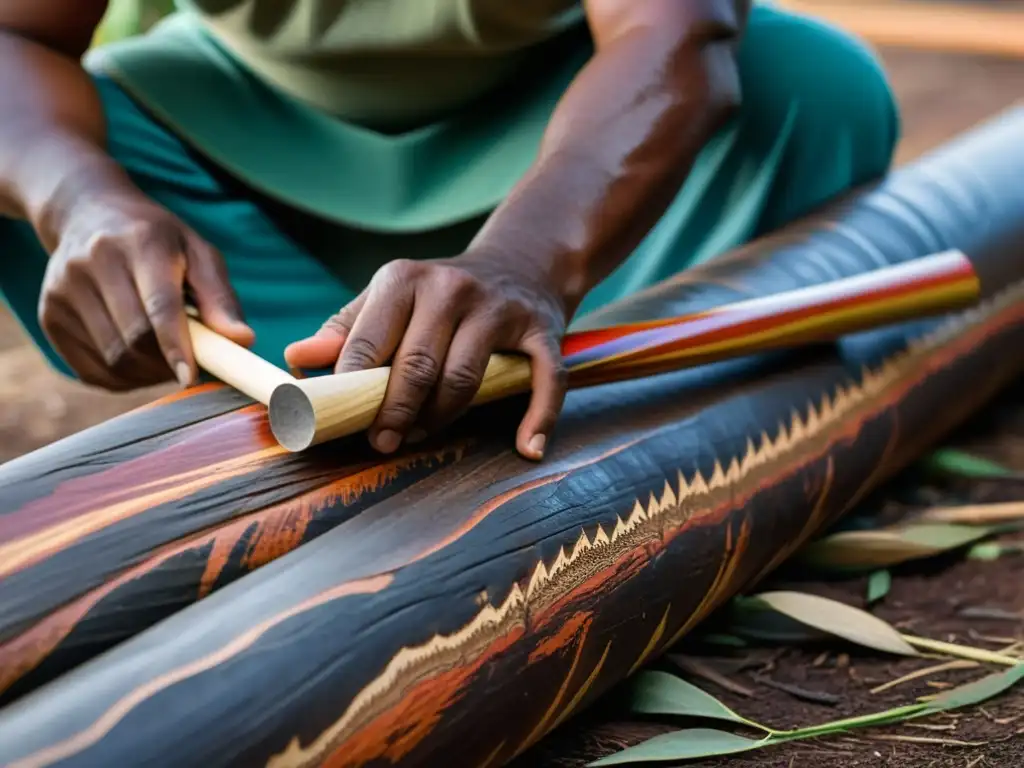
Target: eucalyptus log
452,605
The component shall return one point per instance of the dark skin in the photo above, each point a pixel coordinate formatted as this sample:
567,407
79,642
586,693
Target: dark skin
663,80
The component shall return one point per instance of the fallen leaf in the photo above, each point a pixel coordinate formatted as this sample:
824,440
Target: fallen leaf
804,694
861,550
879,584
989,551
687,744
974,514
837,619
660,693
701,669
954,463
977,691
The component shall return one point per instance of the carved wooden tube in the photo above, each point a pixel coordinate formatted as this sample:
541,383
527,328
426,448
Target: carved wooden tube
305,412
225,602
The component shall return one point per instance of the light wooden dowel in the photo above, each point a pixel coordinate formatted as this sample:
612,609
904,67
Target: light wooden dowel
306,412
234,364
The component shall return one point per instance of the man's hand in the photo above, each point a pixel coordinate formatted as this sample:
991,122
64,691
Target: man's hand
439,321
113,298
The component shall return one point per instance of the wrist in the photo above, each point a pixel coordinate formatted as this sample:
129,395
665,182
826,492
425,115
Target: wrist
560,275
57,172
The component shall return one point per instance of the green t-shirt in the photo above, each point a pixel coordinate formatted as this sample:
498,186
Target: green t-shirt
387,115
384,62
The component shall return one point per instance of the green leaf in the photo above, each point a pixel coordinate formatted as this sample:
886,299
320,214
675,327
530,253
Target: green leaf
838,619
860,550
687,744
879,584
989,551
954,463
977,691
661,693
753,619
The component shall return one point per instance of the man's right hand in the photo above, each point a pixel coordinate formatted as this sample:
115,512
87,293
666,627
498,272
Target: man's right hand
113,298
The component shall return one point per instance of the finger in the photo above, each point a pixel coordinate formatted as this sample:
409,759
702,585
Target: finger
549,385
379,326
464,367
414,372
66,332
217,302
143,360
160,283
322,349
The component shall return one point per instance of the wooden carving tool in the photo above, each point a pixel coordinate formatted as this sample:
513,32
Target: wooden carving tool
305,412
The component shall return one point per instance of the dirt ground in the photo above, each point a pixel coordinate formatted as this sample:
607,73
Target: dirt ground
940,96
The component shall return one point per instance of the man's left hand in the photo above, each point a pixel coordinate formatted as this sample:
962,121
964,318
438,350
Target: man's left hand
438,322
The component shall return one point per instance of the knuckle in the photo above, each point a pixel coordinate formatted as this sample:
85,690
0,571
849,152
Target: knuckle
101,242
398,413
462,380
397,272
137,333
162,306
420,369
77,270
458,284
361,351
114,353
339,322
163,232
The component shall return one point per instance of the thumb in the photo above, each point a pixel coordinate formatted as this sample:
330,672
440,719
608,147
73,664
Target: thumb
218,305
322,349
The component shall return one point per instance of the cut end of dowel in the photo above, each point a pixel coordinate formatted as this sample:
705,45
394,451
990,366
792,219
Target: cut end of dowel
292,417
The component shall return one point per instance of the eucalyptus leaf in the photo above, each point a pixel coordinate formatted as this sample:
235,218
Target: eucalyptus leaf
661,693
978,691
989,551
864,550
975,514
954,463
687,744
755,620
879,584
838,619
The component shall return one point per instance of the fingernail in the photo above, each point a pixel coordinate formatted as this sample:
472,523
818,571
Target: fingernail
416,436
184,374
387,441
537,443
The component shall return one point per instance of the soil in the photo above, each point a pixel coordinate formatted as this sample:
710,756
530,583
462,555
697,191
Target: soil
940,96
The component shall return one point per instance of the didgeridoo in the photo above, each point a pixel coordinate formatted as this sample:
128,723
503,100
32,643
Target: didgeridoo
305,412
178,589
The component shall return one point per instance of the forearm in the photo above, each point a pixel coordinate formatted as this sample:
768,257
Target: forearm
619,146
52,132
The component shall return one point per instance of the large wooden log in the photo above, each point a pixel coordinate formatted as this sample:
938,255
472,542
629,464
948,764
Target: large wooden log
453,605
